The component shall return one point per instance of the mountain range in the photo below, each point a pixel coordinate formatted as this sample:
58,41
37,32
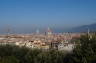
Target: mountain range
84,28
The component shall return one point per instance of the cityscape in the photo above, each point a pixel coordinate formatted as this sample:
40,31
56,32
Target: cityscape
46,41
47,31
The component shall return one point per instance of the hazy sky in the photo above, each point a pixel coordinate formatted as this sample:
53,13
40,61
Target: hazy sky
46,13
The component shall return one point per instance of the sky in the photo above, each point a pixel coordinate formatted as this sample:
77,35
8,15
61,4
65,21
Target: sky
29,15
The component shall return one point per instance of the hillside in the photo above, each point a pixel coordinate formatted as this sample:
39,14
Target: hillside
83,28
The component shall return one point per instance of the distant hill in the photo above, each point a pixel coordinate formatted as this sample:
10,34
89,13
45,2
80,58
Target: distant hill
83,28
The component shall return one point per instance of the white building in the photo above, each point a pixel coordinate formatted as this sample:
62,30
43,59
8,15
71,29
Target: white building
66,47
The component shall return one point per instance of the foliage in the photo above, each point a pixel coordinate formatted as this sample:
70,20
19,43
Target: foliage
85,52
15,54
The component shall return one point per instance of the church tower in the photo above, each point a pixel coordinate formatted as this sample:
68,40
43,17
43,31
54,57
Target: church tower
49,32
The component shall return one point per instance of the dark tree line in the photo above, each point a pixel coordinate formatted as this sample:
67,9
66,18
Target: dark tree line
85,52
15,54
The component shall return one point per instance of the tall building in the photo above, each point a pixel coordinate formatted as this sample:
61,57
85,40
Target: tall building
88,31
49,32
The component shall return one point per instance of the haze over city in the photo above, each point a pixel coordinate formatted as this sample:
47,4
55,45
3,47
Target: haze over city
26,16
47,31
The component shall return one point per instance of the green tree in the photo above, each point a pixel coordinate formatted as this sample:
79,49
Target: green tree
85,52
9,59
